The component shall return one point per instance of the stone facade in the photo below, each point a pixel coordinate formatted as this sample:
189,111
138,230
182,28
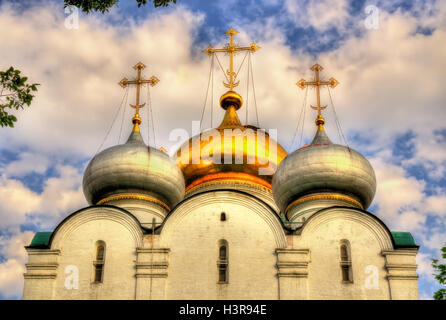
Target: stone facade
266,259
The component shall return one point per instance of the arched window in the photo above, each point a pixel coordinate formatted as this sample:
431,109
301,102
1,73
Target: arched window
223,216
222,262
346,261
99,262
223,252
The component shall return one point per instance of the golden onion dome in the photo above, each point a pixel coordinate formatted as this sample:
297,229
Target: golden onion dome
230,152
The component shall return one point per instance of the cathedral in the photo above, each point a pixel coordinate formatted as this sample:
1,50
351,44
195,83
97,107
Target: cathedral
231,215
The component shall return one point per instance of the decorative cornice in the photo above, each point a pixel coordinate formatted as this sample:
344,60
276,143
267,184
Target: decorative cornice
325,196
229,177
40,276
395,266
292,274
401,252
152,250
292,251
39,252
151,275
152,265
291,264
134,196
402,277
41,266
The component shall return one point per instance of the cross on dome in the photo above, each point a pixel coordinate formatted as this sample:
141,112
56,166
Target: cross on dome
231,49
138,82
332,82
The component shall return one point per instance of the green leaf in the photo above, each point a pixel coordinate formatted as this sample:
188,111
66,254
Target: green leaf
16,94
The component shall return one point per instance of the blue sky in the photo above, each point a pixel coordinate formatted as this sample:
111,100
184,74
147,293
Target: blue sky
390,101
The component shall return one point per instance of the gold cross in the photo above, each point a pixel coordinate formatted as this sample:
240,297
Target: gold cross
231,49
332,82
139,81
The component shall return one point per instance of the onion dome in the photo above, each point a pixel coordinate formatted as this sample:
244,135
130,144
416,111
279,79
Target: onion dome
133,171
230,152
323,170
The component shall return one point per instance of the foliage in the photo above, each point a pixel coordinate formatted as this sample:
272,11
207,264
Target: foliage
440,275
15,93
104,6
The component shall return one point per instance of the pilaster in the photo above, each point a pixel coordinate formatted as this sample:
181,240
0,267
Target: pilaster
292,265
401,273
151,273
41,273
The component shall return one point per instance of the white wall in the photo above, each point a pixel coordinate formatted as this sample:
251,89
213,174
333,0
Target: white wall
192,233
323,235
77,239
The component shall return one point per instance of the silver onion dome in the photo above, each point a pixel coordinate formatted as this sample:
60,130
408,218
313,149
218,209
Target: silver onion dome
133,168
324,168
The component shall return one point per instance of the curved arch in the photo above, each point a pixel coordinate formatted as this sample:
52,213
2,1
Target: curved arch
345,259
223,249
257,205
99,261
365,218
91,213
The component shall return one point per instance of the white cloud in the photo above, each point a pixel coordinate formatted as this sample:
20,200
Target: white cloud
396,192
28,163
12,269
321,15
391,81
424,263
15,202
435,241
79,69
411,220
60,196
436,205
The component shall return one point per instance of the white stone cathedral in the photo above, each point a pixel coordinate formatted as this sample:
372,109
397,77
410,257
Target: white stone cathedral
244,220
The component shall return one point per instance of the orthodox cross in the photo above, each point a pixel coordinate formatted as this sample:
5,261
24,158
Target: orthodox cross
139,81
231,49
332,82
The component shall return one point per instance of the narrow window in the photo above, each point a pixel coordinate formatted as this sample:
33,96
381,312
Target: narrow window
222,275
222,262
99,262
223,216
222,252
346,262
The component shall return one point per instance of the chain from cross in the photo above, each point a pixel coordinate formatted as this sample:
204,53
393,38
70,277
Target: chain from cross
332,82
139,81
231,49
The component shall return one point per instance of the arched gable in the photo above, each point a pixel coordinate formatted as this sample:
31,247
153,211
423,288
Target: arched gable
97,212
365,218
258,206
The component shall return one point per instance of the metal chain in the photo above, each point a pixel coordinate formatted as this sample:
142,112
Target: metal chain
221,67
212,93
241,64
207,92
247,92
303,118
123,115
254,91
113,122
299,119
150,110
338,124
